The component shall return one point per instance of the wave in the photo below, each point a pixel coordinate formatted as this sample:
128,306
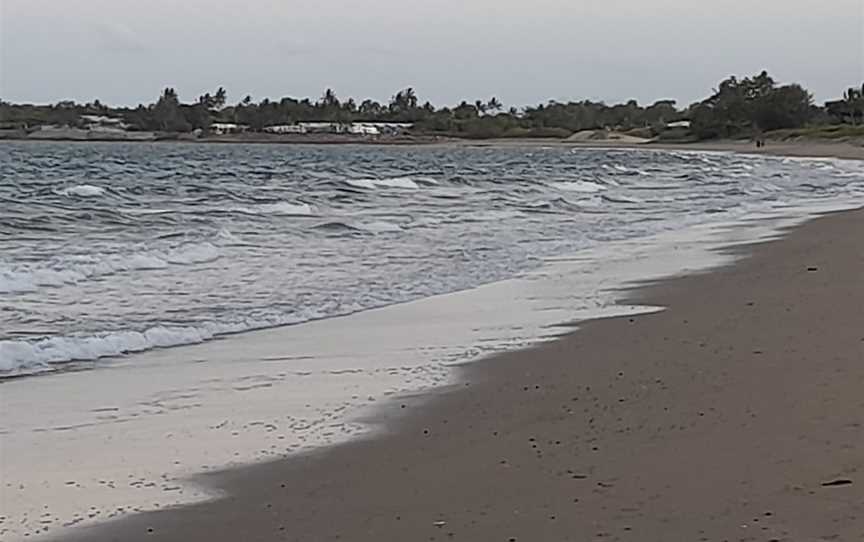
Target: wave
552,206
579,186
278,208
377,226
620,199
494,215
380,226
70,271
390,182
19,357
83,191
145,211
624,169
655,186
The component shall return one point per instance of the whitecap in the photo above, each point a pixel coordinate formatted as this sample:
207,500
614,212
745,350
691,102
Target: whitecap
84,191
192,253
286,208
579,186
392,182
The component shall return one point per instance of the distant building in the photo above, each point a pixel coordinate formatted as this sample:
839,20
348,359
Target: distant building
323,127
388,128
101,122
679,124
285,129
360,128
223,128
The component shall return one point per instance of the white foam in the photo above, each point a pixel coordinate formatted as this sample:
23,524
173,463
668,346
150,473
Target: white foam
579,186
19,279
279,208
22,355
84,191
39,354
393,182
192,254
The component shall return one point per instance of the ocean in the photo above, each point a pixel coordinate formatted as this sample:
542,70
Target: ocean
108,249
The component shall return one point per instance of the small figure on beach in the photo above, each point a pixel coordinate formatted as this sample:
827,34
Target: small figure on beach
758,138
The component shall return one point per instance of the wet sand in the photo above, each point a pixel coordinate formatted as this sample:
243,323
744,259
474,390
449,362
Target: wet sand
734,415
800,149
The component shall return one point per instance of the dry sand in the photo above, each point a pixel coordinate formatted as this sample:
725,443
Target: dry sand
734,415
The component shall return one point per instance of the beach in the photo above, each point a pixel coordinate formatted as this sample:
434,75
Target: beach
346,296
382,423
734,414
849,150
804,148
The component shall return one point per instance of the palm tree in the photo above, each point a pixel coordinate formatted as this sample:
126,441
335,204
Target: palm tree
329,98
220,99
494,105
404,100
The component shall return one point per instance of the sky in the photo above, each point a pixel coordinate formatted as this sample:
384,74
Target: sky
523,52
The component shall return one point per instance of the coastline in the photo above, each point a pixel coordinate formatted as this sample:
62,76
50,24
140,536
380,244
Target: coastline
381,418
799,149
733,413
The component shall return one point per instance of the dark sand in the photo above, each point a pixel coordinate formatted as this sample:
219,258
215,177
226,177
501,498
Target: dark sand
735,415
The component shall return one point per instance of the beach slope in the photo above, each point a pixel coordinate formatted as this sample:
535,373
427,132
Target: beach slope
736,414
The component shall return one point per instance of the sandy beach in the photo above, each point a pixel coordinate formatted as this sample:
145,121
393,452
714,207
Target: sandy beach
801,149
853,150
735,414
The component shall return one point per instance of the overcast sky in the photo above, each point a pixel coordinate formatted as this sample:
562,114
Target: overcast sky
522,51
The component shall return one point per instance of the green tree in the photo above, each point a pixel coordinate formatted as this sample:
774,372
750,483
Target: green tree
403,102
167,114
494,105
751,105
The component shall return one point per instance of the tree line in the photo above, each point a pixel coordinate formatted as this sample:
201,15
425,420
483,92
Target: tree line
738,107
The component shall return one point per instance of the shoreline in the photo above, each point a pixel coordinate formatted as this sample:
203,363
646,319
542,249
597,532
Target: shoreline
376,422
804,149
670,432
799,149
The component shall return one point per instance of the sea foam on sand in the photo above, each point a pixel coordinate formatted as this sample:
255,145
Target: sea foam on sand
87,446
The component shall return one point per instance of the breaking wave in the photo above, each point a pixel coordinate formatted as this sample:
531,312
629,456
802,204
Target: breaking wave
72,270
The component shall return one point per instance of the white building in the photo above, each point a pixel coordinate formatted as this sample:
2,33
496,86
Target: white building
679,124
101,122
362,128
222,128
323,127
285,129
